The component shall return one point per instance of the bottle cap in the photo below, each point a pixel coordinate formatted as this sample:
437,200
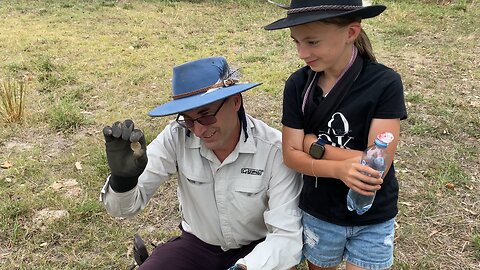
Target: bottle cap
385,137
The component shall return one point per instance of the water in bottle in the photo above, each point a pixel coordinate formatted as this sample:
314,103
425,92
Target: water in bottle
374,156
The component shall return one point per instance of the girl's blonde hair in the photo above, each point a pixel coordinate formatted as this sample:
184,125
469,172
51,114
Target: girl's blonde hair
362,42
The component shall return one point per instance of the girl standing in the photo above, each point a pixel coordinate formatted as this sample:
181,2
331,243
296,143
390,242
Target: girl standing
333,108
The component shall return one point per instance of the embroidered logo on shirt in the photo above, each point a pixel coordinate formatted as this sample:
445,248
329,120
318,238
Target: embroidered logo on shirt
251,171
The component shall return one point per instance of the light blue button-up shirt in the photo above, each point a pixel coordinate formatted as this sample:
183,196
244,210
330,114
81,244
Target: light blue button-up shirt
249,196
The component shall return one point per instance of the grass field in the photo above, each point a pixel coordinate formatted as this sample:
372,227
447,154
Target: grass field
90,63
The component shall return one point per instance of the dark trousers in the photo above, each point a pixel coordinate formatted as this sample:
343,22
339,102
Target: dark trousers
187,252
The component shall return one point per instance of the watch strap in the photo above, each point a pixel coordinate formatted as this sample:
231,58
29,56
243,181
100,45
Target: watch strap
321,142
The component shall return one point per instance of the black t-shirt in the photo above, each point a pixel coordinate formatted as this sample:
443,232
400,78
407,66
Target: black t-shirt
377,93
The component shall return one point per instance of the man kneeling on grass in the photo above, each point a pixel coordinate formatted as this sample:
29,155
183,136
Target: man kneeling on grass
239,201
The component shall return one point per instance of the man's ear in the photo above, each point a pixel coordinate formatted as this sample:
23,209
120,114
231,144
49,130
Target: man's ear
237,101
354,30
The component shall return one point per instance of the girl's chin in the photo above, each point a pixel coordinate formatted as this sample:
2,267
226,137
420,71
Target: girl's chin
316,69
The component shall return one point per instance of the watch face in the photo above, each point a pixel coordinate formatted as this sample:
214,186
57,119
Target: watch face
316,150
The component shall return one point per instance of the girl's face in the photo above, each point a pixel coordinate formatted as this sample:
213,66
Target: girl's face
324,47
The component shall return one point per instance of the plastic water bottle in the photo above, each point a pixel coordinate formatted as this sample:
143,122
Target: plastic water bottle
374,156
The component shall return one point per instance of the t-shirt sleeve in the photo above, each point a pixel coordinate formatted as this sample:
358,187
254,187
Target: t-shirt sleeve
292,102
392,100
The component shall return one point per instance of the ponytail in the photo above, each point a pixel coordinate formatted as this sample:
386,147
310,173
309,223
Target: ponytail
362,42
364,46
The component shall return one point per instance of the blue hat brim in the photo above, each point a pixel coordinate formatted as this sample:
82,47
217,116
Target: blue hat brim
188,103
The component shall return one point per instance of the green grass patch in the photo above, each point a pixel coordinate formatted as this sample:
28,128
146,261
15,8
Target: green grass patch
52,76
66,116
448,171
476,244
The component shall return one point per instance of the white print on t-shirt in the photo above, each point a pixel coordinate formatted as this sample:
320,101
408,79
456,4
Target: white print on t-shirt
338,128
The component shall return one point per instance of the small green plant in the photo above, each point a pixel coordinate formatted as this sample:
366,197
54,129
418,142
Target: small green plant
66,116
416,98
12,96
476,244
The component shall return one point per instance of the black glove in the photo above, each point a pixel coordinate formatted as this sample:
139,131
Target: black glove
126,154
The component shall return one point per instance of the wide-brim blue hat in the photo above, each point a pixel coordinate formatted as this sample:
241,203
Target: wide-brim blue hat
201,82
307,11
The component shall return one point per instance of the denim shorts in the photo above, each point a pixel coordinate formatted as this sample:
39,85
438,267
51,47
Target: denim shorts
327,244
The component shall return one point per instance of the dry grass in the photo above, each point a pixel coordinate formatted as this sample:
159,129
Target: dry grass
12,97
110,60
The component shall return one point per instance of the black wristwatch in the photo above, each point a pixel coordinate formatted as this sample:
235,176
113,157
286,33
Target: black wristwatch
317,149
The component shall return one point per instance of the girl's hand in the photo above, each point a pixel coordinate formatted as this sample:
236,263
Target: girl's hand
360,178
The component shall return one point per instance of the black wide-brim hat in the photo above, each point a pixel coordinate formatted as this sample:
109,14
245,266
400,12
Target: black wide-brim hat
307,11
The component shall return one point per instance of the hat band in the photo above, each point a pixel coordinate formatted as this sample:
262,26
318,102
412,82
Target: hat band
206,88
321,8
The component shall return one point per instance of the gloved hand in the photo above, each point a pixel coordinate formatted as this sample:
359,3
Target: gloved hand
126,154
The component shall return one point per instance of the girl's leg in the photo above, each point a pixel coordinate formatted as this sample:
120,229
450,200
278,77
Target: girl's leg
371,246
314,267
350,266
324,243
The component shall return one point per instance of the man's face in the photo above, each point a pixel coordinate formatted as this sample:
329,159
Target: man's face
220,135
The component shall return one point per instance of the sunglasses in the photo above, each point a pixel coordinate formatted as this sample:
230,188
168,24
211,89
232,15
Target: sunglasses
204,120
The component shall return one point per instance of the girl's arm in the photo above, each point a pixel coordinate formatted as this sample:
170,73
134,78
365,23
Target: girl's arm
383,125
295,158
331,152
377,126
348,170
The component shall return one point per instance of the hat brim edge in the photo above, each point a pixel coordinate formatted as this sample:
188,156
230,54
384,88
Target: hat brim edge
189,103
364,13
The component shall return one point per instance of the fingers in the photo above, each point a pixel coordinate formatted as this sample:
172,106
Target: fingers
363,191
138,143
125,131
362,179
369,179
137,136
139,146
365,188
120,130
107,133
370,171
367,185
127,128
117,129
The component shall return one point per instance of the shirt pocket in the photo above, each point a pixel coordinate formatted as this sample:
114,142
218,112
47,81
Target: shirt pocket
196,180
196,196
249,188
195,186
249,198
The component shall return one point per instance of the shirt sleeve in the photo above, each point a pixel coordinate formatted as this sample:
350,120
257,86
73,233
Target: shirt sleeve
292,115
392,100
161,165
283,243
